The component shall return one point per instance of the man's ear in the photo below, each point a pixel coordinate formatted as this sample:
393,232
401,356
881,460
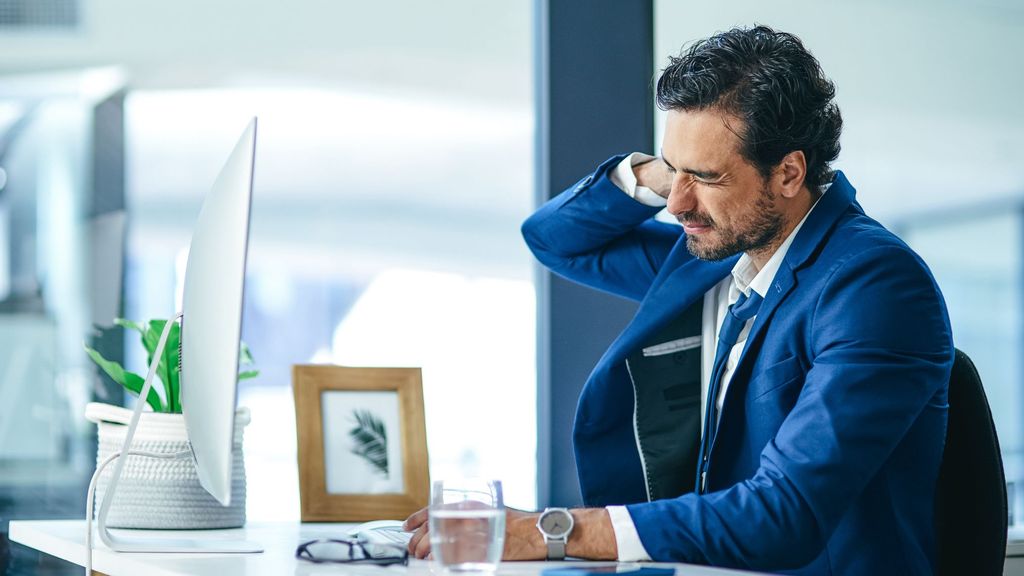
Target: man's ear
790,174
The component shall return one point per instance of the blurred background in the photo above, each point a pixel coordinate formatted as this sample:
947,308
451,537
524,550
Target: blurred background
394,166
396,159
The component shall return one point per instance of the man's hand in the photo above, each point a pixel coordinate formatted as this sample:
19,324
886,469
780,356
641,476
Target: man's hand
419,544
654,174
522,539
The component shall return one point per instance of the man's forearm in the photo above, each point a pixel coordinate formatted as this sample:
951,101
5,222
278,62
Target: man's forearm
592,535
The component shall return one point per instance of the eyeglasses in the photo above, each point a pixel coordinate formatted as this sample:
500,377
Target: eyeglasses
327,550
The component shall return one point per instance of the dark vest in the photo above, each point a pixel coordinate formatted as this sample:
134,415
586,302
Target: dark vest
666,375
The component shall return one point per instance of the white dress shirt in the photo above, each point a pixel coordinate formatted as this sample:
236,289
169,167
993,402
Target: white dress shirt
744,278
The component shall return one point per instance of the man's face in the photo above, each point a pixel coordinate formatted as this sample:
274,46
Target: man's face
723,203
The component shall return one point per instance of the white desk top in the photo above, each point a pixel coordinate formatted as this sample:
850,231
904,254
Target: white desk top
65,539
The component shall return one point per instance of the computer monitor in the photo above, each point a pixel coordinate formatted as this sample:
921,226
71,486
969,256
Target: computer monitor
211,323
210,339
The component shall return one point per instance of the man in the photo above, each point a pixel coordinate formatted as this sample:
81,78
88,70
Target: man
779,400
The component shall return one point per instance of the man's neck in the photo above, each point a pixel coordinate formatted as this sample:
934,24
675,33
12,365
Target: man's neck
793,216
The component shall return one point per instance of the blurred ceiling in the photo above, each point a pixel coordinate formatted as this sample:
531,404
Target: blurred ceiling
476,50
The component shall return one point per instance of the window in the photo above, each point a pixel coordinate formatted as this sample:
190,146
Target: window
976,257
384,233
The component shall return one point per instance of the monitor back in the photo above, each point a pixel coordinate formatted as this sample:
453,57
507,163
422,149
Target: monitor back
212,318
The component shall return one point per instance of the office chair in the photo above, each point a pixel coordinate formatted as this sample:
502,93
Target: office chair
970,499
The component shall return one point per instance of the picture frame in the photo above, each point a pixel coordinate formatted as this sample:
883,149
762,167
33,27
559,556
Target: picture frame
346,472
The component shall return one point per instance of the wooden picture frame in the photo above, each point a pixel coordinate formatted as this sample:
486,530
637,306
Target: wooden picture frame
334,457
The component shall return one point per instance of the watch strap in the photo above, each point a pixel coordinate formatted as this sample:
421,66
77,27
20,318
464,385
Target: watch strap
556,548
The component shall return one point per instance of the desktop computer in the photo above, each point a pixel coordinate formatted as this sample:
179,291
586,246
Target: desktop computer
211,323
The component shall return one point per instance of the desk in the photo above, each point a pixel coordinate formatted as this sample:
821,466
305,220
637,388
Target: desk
65,539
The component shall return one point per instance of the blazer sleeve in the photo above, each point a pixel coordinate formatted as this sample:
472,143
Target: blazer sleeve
883,351
597,235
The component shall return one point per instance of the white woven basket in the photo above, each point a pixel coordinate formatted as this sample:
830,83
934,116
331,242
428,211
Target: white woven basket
157,493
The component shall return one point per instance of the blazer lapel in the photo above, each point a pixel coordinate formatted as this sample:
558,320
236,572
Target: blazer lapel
668,299
814,233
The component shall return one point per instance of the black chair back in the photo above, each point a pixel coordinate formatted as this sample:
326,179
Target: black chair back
970,501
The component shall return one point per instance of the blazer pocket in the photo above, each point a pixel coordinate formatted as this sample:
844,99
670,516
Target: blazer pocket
778,375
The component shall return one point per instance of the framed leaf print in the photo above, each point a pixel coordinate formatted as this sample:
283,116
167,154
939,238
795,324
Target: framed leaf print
362,443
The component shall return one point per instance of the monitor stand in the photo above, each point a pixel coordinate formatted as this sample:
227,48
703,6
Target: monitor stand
148,544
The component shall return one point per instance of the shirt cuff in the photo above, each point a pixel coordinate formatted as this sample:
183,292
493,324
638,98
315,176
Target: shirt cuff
623,177
630,549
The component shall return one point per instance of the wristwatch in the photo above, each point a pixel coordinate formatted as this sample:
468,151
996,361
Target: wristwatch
555,524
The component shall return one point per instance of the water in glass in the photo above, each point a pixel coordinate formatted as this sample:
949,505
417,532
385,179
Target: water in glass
467,525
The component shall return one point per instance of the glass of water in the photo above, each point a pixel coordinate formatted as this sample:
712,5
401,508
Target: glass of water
467,524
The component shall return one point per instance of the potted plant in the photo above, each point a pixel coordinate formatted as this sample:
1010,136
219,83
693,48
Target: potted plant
156,493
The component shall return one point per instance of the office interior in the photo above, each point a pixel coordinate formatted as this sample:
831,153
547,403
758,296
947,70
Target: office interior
402,143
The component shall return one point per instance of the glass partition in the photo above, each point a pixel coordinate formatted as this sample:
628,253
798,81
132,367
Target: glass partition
976,257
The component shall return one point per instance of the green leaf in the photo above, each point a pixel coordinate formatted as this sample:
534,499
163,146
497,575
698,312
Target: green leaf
167,368
130,325
131,381
149,342
173,365
371,440
245,359
245,355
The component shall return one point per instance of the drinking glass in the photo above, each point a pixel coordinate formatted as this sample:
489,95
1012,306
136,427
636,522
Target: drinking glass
467,524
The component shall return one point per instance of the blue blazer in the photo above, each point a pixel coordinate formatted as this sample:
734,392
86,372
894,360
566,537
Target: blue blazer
832,431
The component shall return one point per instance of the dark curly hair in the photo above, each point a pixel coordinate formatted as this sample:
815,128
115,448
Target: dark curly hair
770,82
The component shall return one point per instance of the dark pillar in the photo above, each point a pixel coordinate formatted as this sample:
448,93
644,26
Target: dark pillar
594,99
106,217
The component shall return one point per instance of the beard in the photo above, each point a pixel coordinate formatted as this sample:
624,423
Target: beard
754,231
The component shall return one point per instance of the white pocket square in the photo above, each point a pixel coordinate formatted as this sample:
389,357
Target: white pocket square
673,346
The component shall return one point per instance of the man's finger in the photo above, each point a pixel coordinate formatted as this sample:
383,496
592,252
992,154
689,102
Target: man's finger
419,534
415,520
423,546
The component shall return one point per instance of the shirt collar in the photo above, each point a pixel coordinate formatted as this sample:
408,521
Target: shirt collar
746,276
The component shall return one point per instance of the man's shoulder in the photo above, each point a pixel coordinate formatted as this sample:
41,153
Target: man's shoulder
858,237
863,267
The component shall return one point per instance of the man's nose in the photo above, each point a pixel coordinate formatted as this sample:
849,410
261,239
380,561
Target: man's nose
681,197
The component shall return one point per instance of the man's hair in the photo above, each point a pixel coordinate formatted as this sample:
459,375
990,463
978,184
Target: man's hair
770,82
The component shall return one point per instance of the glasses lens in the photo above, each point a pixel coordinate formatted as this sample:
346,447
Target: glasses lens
330,551
379,551
352,551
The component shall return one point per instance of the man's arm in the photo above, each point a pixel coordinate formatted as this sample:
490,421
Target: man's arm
599,236
592,536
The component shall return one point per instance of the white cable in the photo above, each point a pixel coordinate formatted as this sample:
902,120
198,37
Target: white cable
108,496
92,494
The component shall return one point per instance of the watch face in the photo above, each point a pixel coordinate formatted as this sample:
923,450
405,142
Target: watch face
555,522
